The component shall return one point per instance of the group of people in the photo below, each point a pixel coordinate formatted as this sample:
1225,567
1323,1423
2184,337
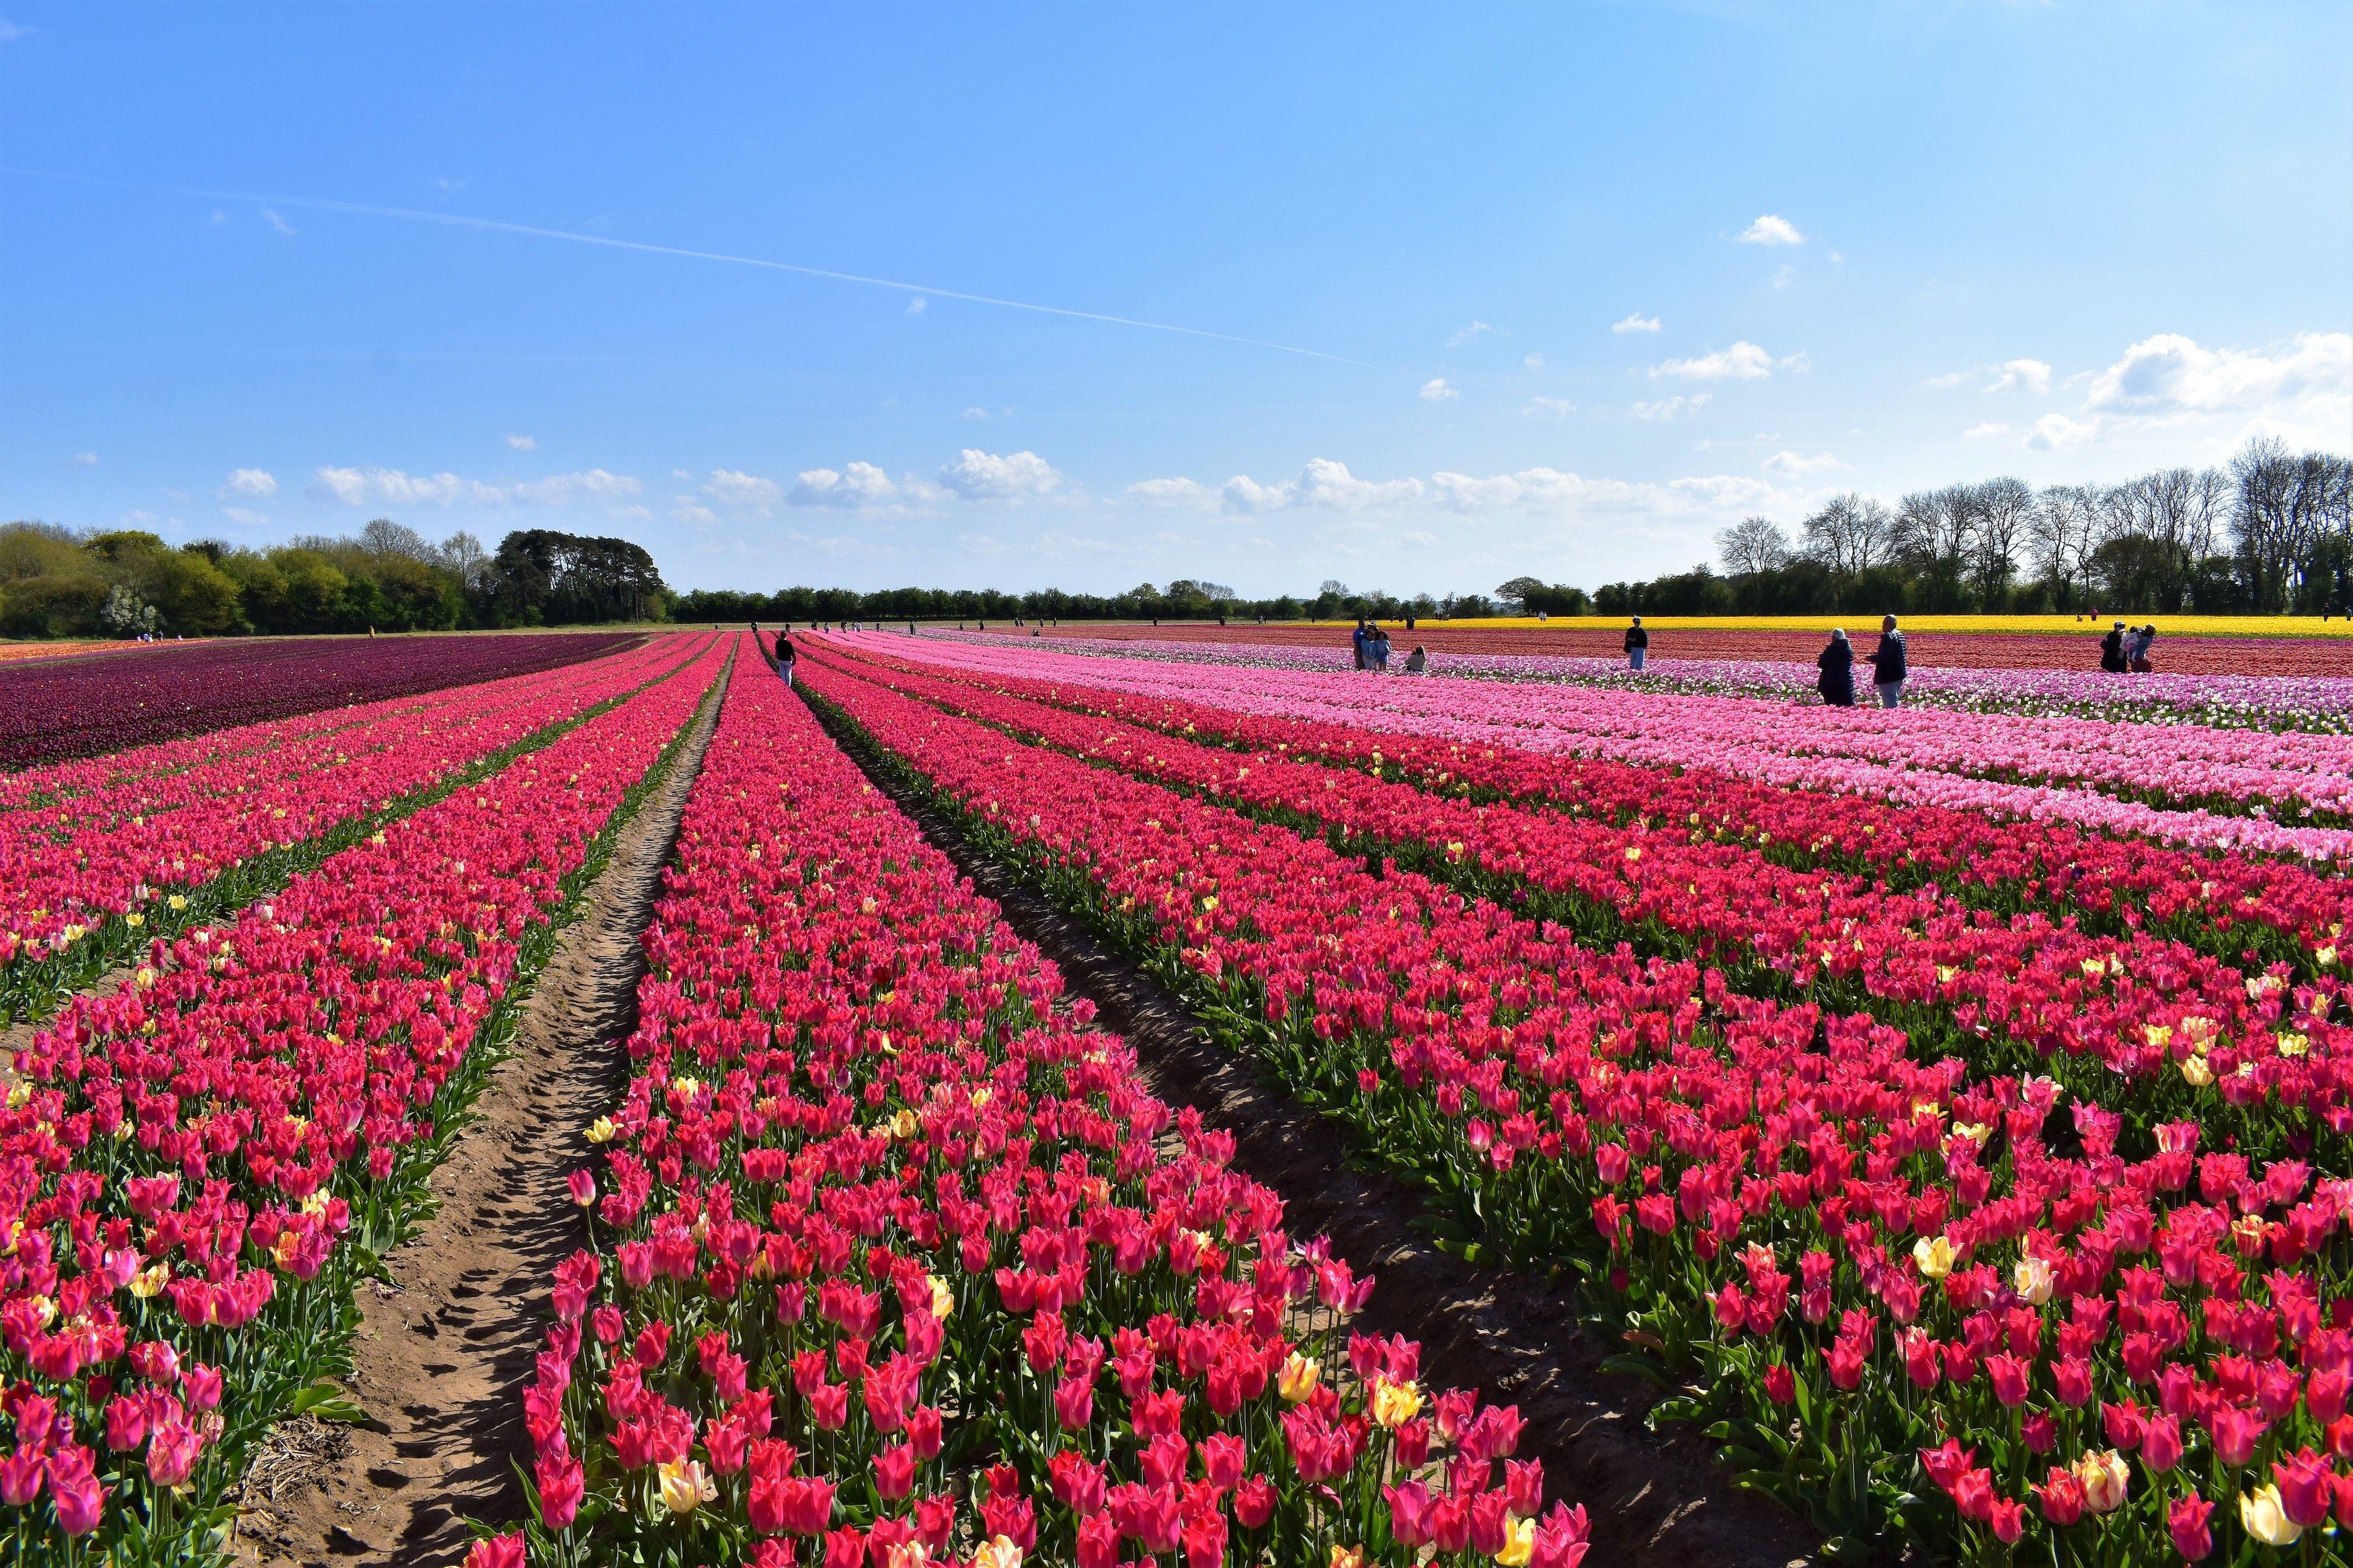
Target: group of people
2125,649
1888,669
1372,647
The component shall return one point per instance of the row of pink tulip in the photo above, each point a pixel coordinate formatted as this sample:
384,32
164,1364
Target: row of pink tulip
897,1264
1915,1308
116,850
196,1171
2179,784
2177,1034
2220,903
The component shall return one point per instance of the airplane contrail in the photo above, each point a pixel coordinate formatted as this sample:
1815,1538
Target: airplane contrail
573,236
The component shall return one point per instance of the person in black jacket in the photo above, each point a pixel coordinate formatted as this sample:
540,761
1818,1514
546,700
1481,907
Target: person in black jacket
2112,651
1836,682
1638,645
1888,667
785,658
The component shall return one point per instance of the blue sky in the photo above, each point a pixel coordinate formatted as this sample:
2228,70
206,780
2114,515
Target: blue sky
1578,285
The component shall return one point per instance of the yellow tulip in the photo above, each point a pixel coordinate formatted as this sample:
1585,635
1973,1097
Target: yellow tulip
1933,1257
1395,1404
686,1485
2265,1517
1297,1379
2103,1478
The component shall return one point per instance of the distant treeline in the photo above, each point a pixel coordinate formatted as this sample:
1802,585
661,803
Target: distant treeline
1183,599
2271,533
120,582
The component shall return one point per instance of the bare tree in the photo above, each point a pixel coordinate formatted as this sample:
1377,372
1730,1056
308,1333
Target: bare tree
1937,528
1851,532
383,536
2063,531
2288,506
1753,544
463,554
2005,517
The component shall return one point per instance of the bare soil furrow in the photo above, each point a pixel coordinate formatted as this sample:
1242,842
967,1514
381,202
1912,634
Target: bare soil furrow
443,1351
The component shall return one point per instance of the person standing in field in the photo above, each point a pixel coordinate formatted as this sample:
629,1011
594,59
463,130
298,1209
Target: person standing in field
1836,682
1359,638
1887,664
2112,651
1638,645
1380,651
785,658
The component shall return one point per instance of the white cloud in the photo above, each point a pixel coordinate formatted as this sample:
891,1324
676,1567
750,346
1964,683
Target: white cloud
1744,361
2170,375
686,509
82,460
391,486
1783,274
2055,430
558,489
916,306
680,474
249,484
1558,407
245,517
983,476
1464,334
1797,466
270,217
1242,493
1771,231
1174,493
1327,483
1637,322
10,31
1324,483
1989,431
218,219
2021,376
1533,362
523,443
860,485
743,492
137,517
976,414
1944,383
1435,390
1675,408
633,513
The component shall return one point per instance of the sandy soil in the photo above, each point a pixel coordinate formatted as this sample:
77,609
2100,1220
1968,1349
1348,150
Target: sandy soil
1656,1501
441,1352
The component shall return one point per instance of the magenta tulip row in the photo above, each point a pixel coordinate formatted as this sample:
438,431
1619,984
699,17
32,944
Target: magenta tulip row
1888,1280
2173,783
898,1263
59,708
195,1171
112,842
2169,1030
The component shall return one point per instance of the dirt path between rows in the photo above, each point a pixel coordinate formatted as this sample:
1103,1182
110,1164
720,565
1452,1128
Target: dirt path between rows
1656,1501
442,1352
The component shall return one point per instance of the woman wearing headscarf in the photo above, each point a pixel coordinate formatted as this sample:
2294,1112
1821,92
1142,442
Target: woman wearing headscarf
1836,682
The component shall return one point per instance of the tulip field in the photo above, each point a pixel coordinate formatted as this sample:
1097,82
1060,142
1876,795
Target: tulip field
1942,1119
1948,1112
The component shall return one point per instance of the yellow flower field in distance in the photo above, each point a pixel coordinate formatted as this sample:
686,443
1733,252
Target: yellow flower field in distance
2178,626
